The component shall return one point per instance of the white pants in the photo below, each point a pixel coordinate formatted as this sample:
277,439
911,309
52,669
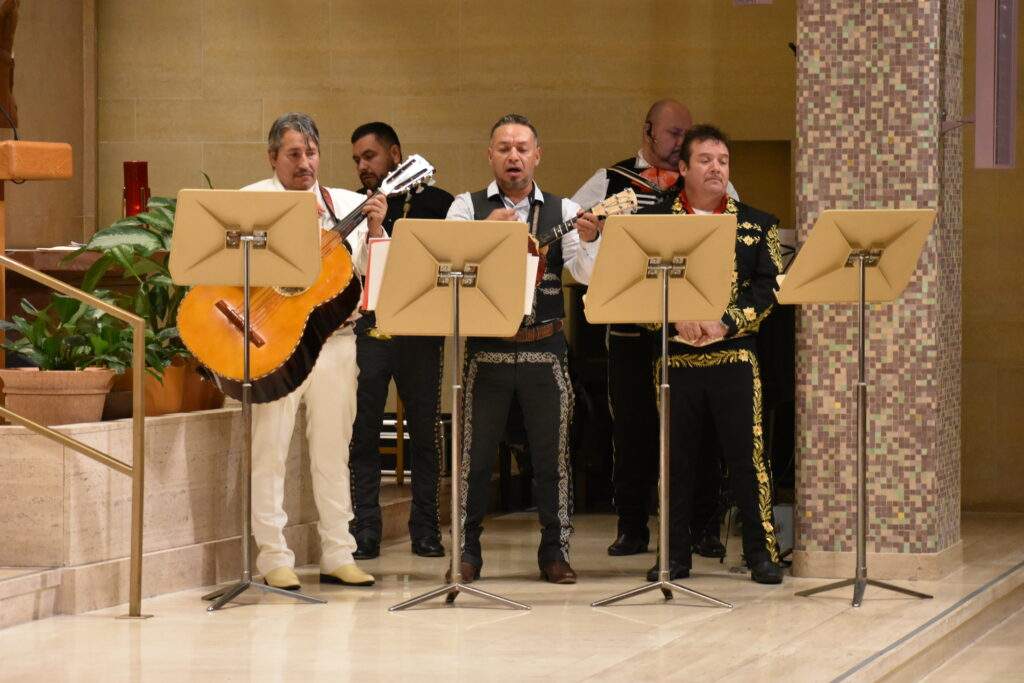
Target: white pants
330,397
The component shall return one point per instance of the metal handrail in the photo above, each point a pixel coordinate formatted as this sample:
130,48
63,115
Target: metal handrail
136,470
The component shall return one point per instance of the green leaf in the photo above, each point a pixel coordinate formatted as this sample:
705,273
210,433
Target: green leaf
163,281
99,344
169,203
209,183
125,257
144,266
96,272
156,219
127,236
65,307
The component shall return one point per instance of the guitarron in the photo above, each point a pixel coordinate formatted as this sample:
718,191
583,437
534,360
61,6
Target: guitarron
288,326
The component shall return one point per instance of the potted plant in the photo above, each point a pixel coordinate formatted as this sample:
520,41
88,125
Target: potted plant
138,246
76,351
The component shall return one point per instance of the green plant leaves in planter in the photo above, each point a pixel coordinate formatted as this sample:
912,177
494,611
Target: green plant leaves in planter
137,246
69,335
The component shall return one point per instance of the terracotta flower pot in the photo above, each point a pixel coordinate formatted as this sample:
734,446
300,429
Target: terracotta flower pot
56,397
182,391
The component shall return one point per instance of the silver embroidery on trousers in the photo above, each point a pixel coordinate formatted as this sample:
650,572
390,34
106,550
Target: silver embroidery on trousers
560,372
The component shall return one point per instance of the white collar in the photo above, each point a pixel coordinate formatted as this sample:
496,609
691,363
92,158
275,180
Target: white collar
315,190
493,191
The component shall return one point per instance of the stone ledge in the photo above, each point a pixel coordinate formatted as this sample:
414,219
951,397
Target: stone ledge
906,566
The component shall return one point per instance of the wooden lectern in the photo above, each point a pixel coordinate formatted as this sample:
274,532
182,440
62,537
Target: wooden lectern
24,160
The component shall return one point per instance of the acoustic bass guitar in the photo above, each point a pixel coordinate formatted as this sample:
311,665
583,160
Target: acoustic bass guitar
288,326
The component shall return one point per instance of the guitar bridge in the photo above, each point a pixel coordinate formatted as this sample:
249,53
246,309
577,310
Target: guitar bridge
236,319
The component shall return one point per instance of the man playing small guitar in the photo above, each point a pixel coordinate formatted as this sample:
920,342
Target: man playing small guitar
329,391
531,366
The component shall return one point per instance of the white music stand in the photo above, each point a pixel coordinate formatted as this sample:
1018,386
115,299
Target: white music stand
279,240
662,269
858,256
454,278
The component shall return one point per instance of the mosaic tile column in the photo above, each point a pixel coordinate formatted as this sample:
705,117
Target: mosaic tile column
875,79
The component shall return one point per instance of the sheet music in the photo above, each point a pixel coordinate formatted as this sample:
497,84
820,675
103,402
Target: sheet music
376,261
532,264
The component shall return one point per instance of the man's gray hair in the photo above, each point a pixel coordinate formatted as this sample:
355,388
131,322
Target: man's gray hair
297,121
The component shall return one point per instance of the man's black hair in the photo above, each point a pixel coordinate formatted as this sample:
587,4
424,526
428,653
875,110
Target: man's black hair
385,133
515,119
699,133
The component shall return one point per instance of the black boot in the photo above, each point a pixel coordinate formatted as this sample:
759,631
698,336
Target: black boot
677,569
766,571
629,544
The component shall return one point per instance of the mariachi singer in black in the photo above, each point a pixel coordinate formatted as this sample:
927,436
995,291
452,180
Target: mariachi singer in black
531,367
713,370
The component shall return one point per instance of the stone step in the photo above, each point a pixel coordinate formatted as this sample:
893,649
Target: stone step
930,645
30,593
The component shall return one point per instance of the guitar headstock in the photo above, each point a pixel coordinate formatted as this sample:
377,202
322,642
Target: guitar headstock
620,203
411,173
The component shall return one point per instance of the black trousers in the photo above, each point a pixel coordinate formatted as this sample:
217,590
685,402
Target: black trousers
416,365
536,375
722,384
634,355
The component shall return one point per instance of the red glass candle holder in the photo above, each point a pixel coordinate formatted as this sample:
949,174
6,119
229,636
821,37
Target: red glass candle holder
135,195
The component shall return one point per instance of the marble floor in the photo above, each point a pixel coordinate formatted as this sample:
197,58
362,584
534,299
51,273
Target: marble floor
996,656
769,635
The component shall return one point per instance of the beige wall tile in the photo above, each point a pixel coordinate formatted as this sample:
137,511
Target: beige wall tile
48,88
336,114
199,120
150,48
32,471
234,165
116,120
265,48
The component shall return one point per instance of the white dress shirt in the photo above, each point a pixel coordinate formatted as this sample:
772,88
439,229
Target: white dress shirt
578,256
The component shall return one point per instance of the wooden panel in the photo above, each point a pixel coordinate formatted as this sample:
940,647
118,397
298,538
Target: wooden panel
26,160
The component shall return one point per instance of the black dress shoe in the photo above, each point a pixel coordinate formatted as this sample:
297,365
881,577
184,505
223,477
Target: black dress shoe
470,572
628,544
428,547
558,571
367,547
676,570
766,571
709,546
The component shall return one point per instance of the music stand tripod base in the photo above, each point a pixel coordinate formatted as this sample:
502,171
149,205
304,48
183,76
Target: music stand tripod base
223,596
859,585
666,588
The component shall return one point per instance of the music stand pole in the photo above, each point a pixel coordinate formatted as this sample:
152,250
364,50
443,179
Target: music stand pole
860,581
222,596
452,589
674,269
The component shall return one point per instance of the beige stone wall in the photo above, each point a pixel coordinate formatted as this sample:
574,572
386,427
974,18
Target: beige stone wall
50,79
993,321
193,85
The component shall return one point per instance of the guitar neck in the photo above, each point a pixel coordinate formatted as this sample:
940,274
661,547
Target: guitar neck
560,231
346,224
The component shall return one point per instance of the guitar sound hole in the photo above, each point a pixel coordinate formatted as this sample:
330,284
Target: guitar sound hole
290,291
